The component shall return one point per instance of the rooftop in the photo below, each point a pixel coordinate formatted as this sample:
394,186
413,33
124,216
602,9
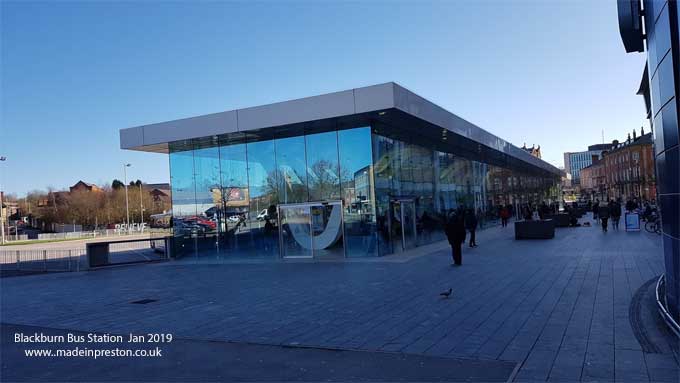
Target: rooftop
398,110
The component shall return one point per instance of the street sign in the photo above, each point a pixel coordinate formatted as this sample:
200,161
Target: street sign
632,221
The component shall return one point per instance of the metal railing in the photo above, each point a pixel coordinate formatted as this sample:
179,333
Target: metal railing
99,233
76,259
42,260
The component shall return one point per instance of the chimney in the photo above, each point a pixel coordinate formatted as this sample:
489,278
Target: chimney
642,131
634,135
628,140
615,143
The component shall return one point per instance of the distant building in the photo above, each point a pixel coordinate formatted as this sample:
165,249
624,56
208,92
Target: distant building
629,169
593,181
534,151
625,171
575,161
84,186
160,193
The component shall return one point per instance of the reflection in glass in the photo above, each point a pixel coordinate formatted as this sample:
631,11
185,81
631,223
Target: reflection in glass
291,170
323,173
183,200
263,193
208,218
234,200
356,177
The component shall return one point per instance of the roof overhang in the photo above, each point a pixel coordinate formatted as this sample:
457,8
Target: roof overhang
389,108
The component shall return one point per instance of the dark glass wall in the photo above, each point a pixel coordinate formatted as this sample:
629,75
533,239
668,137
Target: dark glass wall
440,183
663,59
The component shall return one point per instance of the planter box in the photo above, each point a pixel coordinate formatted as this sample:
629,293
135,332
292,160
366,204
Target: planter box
544,229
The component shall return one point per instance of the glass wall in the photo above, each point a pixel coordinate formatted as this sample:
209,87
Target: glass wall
356,178
227,193
183,200
233,198
264,197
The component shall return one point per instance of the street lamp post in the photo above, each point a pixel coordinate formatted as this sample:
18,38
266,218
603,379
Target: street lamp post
2,212
127,205
141,209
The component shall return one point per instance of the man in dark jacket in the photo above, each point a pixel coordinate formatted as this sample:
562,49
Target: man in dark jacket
455,233
603,212
614,213
471,224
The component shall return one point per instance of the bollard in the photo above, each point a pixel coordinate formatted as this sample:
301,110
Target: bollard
69,260
18,260
44,260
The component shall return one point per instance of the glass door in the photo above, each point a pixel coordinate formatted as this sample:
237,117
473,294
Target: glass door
402,225
408,217
327,230
313,229
295,231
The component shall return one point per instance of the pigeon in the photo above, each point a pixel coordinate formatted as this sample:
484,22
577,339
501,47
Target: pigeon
446,294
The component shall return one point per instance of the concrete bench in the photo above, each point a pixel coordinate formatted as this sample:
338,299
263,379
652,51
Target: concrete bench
544,229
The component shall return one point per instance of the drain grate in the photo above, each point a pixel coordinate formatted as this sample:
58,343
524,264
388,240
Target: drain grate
144,301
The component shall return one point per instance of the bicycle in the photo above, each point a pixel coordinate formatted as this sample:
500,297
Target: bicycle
653,225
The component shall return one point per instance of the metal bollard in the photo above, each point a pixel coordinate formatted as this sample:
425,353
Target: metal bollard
18,260
44,260
69,260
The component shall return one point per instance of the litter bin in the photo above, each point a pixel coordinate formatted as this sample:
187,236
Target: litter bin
98,254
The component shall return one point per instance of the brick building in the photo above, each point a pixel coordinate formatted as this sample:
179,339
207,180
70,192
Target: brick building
594,181
629,169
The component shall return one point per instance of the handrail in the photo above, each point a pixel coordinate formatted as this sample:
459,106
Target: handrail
668,318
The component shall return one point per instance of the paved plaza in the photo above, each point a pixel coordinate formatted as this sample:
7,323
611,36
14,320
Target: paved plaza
577,307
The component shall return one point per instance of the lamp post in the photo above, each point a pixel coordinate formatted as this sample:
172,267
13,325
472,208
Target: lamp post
141,209
127,205
2,212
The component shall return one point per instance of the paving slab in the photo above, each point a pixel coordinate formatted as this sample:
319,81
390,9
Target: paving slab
560,308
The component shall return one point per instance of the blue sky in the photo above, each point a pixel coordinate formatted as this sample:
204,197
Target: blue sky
73,74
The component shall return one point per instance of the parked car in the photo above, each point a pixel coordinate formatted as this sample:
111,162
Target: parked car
263,215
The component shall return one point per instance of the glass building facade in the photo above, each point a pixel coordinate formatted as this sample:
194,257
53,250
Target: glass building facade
354,191
661,90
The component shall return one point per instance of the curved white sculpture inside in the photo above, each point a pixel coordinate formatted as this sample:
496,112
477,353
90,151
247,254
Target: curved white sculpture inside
326,239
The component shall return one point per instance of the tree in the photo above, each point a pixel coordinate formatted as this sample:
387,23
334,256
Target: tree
117,184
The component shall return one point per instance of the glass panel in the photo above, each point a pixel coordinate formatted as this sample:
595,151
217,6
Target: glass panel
208,218
292,172
383,179
327,230
234,201
356,174
408,211
295,235
183,200
263,194
323,173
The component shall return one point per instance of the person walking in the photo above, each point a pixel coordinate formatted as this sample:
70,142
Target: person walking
596,209
603,213
455,233
614,213
471,223
505,215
